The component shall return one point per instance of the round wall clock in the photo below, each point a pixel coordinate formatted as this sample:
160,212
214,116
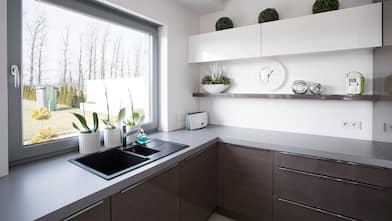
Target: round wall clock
272,76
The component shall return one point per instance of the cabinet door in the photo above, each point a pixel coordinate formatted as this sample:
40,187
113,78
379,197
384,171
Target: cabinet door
246,183
352,28
236,43
151,200
99,211
199,185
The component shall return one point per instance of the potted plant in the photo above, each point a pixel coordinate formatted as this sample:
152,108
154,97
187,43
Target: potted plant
132,125
224,23
89,139
112,132
269,14
321,6
215,81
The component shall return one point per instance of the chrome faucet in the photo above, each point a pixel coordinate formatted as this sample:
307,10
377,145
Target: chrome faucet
125,134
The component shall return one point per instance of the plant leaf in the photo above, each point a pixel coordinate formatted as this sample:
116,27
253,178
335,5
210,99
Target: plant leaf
121,116
82,120
108,124
96,122
75,126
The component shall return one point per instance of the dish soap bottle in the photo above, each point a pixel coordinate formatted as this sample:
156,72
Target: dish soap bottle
141,137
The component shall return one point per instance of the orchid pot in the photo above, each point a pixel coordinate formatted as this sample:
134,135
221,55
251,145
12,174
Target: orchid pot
112,137
89,142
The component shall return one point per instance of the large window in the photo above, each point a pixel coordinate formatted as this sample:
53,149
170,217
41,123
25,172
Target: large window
78,56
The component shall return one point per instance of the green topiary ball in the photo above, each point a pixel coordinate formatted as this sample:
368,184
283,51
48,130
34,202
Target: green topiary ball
224,23
269,14
325,5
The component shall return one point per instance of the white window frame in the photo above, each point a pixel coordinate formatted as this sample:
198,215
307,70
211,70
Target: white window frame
99,9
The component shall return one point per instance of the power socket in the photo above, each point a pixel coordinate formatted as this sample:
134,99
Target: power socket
387,127
353,125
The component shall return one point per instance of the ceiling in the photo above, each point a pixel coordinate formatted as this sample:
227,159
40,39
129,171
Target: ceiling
203,6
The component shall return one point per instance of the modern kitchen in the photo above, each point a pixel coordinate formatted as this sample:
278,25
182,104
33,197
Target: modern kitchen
196,110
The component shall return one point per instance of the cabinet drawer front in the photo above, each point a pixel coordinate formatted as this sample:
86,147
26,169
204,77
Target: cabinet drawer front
351,199
345,170
285,210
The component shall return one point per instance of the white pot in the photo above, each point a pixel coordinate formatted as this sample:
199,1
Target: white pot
89,143
214,88
112,138
134,130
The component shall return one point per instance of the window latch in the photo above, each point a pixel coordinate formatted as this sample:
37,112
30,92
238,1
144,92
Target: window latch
16,74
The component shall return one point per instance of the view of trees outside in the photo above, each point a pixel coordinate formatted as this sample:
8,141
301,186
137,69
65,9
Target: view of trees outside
65,56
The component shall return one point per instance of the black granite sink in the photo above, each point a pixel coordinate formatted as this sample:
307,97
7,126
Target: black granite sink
141,150
115,162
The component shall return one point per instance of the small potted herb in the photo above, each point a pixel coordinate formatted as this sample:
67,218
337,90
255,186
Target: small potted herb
321,6
216,81
269,14
112,132
89,139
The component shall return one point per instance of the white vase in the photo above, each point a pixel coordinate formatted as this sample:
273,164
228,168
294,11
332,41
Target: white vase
112,138
132,132
214,88
89,143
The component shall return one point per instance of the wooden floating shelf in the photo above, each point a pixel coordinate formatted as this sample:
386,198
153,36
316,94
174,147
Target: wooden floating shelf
299,96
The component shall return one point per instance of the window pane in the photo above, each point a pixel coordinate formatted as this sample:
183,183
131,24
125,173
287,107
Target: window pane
70,60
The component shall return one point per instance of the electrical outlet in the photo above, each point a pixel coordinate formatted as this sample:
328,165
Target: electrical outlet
353,125
387,127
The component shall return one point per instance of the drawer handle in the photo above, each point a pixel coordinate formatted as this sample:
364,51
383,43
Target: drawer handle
331,178
83,211
147,179
332,160
317,210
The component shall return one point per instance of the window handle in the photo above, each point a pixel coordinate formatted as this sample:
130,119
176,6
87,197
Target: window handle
15,73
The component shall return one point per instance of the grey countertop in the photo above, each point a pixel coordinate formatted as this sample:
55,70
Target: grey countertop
53,189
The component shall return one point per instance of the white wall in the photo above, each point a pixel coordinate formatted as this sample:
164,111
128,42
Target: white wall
3,90
329,69
245,12
178,78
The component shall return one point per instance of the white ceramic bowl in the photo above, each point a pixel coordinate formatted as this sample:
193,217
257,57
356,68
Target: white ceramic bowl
214,88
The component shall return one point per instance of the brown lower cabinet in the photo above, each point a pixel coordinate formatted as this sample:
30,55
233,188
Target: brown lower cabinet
249,184
199,185
246,183
99,211
154,199
314,187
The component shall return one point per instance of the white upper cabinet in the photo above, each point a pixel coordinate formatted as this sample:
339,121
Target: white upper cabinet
236,43
345,29
352,28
